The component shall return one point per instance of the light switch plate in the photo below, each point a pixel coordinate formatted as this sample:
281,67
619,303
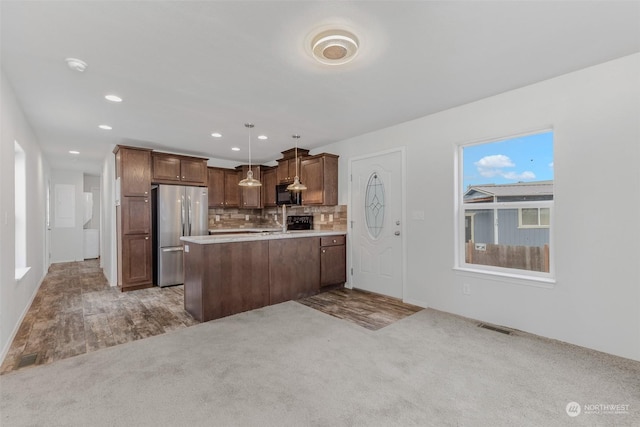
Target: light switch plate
246,217
330,217
217,218
322,217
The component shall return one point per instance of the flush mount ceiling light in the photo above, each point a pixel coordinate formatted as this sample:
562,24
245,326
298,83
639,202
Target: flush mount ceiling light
113,98
216,135
105,127
263,137
74,152
249,181
76,64
235,149
334,46
296,185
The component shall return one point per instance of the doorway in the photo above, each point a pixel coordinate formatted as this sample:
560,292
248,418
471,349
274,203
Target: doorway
377,223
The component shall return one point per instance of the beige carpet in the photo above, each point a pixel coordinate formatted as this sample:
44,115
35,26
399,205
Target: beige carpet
290,365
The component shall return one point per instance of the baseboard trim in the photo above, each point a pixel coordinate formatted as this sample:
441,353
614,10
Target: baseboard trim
16,327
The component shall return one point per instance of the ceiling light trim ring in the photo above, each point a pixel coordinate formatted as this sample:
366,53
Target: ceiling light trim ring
334,46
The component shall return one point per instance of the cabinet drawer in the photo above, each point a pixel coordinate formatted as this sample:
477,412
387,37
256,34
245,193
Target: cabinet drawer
332,240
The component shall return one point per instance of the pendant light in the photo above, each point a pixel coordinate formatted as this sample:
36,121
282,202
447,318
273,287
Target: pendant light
249,181
296,185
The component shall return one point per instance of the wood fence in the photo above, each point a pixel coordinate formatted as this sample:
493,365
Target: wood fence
532,258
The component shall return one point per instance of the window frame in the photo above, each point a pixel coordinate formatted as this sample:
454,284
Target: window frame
460,211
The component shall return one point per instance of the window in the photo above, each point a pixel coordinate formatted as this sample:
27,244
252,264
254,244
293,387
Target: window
20,199
506,205
533,217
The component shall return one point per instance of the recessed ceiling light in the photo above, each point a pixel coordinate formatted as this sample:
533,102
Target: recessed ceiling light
76,64
105,127
235,149
74,152
262,137
216,135
334,46
113,98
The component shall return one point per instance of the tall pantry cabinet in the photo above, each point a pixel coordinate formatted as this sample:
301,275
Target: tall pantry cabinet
133,218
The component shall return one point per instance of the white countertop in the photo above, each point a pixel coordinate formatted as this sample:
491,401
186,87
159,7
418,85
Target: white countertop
248,237
241,230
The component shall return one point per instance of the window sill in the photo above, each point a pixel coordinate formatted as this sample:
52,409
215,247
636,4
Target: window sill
21,272
511,278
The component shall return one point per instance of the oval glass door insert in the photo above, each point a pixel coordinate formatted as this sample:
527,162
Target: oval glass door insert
374,205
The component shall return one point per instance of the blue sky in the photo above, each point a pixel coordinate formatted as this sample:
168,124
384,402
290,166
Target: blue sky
522,159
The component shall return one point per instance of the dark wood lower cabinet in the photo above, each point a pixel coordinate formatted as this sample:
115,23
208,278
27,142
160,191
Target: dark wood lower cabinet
221,279
294,269
333,269
136,262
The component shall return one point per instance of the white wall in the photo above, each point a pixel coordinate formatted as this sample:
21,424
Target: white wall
15,297
67,242
108,256
595,114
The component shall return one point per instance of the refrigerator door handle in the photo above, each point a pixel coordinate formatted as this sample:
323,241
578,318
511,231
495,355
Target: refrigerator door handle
189,215
176,249
182,216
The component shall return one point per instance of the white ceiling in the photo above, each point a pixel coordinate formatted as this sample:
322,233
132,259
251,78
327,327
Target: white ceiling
186,69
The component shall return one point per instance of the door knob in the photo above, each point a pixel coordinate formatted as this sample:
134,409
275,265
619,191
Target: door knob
397,233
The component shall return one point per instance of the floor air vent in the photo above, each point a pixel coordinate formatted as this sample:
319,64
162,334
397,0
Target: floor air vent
28,360
495,328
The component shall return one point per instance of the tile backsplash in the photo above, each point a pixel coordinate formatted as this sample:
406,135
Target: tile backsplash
333,218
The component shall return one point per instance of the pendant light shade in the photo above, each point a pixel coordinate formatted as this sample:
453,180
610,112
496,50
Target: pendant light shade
296,185
249,181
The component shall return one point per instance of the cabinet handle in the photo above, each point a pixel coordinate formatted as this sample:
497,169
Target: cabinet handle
146,200
183,177
177,176
146,192
334,240
146,238
324,251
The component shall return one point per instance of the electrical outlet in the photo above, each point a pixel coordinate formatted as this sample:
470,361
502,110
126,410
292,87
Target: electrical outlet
246,217
322,217
217,218
330,217
466,289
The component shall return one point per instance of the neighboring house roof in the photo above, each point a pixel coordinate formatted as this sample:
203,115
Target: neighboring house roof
521,191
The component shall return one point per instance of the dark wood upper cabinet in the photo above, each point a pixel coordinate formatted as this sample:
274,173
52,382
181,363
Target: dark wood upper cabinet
216,187
269,181
193,170
223,188
231,189
287,170
250,197
173,169
133,167
320,175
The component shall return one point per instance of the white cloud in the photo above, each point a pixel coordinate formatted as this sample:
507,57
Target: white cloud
490,166
495,161
551,165
526,175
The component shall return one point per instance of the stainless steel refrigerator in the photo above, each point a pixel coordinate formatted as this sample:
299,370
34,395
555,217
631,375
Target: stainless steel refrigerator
179,211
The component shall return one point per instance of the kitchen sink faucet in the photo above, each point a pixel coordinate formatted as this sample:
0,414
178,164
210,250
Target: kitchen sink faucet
284,219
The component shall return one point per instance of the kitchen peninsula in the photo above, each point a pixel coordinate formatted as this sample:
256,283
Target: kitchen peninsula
231,273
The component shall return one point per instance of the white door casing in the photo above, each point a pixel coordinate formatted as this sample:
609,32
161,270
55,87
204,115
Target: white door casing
377,243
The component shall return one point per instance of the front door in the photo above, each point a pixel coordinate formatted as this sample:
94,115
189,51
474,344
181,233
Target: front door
376,223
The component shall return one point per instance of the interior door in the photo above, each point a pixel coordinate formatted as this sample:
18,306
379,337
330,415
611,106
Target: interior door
376,222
